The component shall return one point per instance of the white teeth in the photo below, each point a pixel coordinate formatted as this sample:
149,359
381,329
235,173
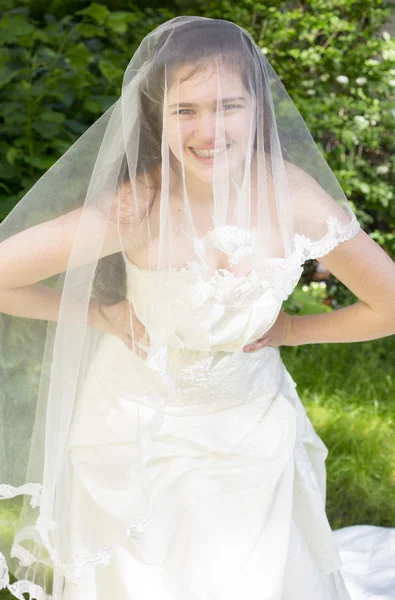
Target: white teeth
209,153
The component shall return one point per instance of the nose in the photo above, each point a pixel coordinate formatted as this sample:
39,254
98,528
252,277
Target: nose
206,125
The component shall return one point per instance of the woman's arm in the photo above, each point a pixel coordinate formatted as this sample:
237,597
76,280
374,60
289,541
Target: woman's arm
37,301
360,264
34,301
44,250
369,272
36,254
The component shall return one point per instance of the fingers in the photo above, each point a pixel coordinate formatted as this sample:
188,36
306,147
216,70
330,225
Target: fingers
136,343
133,346
127,340
136,332
260,343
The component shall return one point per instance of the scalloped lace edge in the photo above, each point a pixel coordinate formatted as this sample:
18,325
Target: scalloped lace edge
73,572
338,232
304,249
30,489
20,587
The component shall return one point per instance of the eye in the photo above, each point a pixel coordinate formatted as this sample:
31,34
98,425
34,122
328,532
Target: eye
184,111
232,106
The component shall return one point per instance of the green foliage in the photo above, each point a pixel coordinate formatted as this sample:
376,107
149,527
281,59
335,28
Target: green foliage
55,81
307,300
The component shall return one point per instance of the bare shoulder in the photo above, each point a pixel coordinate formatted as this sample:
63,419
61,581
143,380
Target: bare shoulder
133,199
311,201
301,181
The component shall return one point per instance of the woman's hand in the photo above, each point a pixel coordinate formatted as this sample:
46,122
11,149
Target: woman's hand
278,335
120,320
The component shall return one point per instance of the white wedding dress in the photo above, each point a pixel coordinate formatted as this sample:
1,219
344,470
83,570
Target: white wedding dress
236,470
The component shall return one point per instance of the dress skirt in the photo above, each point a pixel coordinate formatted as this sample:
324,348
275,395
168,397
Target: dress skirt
235,482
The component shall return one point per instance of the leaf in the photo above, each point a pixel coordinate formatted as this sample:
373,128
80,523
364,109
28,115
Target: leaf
88,30
79,56
12,154
50,116
68,98
347,136
75,126
109,70
119,21
105,101
92,106
16,26
61,146
46,130
7,75
364,187
98,12
41,162
7,205
5,187
16,118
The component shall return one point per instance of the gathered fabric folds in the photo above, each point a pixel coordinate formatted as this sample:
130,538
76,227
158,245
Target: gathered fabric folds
234,499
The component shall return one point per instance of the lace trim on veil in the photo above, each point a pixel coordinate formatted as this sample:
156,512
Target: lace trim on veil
73,571
30,489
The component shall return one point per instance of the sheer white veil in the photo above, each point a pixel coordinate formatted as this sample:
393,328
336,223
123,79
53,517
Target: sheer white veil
203,164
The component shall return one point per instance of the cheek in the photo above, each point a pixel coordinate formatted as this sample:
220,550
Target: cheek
177,134
239,128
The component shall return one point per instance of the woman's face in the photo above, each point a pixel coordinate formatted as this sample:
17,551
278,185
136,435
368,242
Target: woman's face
209,121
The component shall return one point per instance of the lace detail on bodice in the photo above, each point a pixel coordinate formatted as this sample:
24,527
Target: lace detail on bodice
205,377
226,288
237,243
281,275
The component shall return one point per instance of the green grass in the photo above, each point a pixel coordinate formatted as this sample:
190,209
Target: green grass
6,595
8,520
348,391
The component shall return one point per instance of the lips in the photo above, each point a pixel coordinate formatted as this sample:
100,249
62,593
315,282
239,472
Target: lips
208,152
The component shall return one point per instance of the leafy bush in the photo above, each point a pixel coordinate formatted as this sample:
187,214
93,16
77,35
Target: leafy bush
55,81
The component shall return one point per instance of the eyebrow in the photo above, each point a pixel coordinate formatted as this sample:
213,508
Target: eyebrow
193,104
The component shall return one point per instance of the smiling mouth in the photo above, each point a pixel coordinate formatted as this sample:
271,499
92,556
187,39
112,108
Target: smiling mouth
204,153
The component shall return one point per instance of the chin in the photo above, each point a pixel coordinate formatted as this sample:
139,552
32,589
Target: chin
208,175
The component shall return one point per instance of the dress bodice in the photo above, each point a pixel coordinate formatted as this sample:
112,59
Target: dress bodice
199,321
193,308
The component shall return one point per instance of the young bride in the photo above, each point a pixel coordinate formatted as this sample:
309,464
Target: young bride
168,454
